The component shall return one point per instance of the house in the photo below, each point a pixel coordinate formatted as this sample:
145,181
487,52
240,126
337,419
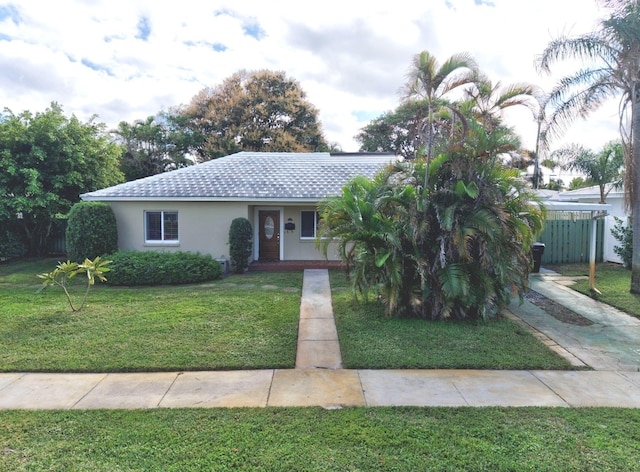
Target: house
615,198
191,209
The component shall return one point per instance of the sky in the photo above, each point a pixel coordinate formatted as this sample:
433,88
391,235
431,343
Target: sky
124,60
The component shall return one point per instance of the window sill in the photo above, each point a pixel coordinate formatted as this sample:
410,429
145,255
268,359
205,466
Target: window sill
161,244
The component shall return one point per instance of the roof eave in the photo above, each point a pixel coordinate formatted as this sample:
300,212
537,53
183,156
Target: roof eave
92,198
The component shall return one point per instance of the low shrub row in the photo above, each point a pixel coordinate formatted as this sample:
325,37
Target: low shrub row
161,268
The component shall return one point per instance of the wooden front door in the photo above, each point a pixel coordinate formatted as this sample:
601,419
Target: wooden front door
269,235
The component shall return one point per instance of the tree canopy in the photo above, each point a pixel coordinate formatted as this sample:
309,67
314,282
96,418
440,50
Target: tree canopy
152,146
253,111
46,161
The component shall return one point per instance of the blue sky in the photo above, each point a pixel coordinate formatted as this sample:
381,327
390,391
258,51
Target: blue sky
128,59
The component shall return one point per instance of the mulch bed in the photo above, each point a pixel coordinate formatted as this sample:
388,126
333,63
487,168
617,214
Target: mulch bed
556,310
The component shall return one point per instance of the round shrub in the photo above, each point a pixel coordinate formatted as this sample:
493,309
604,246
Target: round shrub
240,244
91,231
161,268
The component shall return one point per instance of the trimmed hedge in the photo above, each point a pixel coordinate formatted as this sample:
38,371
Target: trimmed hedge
161,268
240,244
91,231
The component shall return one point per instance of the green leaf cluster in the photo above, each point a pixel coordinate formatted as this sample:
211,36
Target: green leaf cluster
162,268
64,272
46,161
91,231
624,234
460,248
157,144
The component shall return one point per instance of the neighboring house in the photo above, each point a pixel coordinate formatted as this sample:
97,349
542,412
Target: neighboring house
615,198
191,209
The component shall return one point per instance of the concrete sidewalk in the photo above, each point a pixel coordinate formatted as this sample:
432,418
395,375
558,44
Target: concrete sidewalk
321,382
320,387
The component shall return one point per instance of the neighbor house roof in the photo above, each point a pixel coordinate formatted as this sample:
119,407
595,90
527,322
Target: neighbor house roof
249,176
591,192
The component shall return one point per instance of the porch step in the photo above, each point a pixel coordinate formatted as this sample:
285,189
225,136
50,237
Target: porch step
294,265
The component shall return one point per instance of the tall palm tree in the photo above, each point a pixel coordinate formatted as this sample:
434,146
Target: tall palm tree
430,83
614,50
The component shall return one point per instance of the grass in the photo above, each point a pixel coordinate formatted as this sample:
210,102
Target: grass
612,280
296,439
214,325
368,340
233,323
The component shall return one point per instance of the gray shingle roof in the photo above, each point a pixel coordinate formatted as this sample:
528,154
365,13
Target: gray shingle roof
251,176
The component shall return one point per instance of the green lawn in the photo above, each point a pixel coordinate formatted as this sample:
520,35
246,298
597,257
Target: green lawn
233,323
368,340
297,439
612,280
239,322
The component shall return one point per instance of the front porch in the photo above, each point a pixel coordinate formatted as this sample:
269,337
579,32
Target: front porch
295,265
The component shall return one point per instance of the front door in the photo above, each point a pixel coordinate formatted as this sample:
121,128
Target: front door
269,235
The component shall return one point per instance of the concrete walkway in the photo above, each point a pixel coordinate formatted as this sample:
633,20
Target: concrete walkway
611,342
318,345
318,379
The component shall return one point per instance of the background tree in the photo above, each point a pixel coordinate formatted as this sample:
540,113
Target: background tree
577,183
46,161
604,169
393,131
613,55
253,111
153,146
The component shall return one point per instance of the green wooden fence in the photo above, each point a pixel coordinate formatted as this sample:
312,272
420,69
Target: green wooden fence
567,241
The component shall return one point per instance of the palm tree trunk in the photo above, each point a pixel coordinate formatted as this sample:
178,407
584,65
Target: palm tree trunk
635,190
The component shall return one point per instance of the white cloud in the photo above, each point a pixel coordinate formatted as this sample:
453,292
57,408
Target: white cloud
351,58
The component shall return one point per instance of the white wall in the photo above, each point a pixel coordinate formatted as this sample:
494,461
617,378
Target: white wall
204,227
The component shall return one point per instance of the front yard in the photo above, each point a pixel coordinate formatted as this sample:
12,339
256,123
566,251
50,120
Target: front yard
233,323
238,322
251,322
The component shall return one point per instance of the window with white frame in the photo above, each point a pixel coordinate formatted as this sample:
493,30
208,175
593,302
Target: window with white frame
308,224
161,226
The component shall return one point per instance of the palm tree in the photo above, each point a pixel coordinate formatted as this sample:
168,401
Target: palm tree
458,249
601,169
429,82
487,101
614,50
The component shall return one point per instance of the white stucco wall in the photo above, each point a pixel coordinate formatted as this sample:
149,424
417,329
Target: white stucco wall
297,248
204,227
